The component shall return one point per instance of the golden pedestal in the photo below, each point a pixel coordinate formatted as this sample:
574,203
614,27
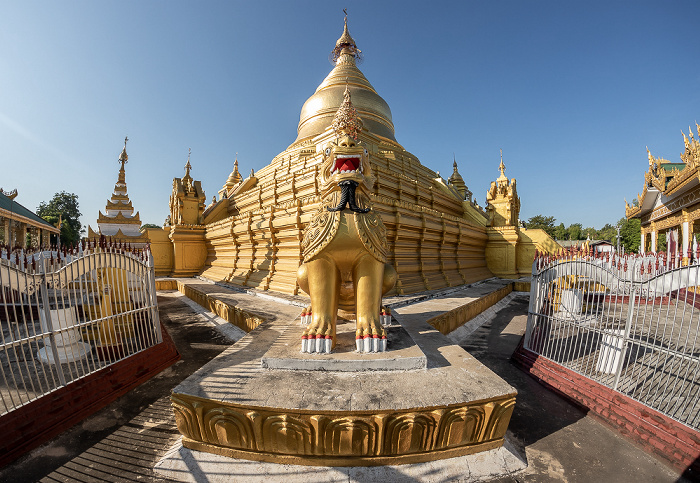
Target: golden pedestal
189,249
235,407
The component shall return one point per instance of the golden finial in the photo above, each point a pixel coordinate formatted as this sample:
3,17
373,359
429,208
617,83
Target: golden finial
123,157
188,166
345,43
235,177
346,119
502,168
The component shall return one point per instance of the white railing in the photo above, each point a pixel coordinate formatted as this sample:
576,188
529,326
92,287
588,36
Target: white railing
631,323
67,314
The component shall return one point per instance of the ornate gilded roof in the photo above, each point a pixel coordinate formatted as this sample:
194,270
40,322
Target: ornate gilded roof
669,178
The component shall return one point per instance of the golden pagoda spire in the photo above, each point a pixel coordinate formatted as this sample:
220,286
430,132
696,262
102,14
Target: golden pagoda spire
188,166
123,158
345,44
457,181
502,168
346,119
235,177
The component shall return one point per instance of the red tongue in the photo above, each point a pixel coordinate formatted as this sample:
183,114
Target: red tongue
346,164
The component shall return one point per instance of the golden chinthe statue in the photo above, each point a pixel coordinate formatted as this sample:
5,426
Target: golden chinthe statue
345,245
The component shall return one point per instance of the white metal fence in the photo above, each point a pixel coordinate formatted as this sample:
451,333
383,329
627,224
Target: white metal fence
65,315
631,323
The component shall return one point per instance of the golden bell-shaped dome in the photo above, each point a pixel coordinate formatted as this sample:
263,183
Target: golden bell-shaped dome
319,110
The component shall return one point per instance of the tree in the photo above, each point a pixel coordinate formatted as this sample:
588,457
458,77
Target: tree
63,206
575,231
560,232
630,234
590,232
149,225
607,233
542,222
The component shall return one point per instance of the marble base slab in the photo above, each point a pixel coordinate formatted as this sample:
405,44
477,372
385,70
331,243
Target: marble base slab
402,353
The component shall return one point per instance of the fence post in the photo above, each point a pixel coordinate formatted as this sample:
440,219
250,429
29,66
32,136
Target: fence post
628,327
44,298
534,279
151,287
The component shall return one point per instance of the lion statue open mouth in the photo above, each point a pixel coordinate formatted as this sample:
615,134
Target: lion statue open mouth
344,245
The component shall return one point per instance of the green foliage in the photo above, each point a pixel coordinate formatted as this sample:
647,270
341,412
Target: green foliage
545,223
63,205
661,245
149,225
590,232
576,232
560,232
608,233
631,234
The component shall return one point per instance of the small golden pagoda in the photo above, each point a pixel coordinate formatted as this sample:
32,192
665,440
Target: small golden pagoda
119,223
457,182
186,229
503,207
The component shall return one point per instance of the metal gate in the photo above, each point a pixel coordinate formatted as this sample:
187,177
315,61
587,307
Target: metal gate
66,315
631,323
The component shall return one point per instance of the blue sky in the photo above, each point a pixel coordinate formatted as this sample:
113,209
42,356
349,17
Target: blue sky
573,92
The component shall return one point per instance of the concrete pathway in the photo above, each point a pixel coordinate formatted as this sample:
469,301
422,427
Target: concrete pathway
123,441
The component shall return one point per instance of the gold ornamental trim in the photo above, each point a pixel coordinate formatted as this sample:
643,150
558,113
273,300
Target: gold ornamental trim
342,438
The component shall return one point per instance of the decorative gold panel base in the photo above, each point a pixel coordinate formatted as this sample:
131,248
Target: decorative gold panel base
342,438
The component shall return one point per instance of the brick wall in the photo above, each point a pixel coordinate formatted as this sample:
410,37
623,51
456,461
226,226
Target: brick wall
37,422
655,432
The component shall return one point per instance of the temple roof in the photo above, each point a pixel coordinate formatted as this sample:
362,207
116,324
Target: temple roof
665,180
13,210
319,110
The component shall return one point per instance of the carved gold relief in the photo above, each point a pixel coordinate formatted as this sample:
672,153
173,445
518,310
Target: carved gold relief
337,438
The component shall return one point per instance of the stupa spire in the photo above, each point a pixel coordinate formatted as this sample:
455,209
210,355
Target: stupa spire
502,168
235,177
188,166
457,181
123,159
345,44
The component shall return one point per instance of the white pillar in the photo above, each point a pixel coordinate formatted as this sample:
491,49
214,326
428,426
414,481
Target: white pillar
686,241
643,242
654,236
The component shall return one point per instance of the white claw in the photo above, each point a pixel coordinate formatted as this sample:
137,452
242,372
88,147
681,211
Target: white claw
382,345
375,344
304,343
328,343
367,344
358,345
319,345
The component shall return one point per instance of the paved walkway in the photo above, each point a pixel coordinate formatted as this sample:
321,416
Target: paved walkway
123,441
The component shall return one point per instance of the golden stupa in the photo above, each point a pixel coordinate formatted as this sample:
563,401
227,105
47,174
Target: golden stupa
252,235
119,223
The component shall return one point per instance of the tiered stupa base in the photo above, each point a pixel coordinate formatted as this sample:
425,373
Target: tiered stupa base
233,406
